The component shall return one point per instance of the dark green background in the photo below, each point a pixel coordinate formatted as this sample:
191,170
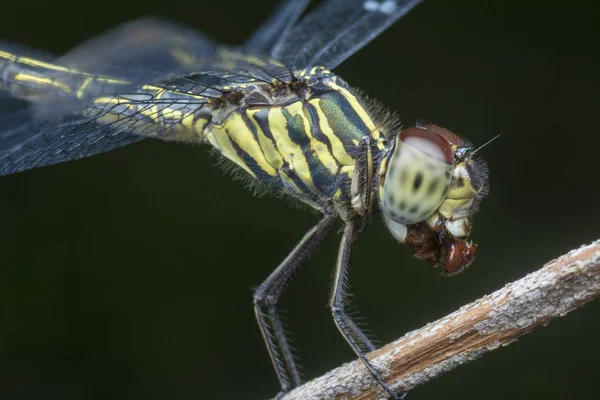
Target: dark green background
130,274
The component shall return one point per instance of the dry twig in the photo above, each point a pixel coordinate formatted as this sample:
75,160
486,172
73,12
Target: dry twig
495,320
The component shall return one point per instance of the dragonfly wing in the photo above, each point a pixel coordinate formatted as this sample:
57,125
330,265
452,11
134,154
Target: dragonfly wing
30,140
276,28
31,143
337,29
64,122
140,51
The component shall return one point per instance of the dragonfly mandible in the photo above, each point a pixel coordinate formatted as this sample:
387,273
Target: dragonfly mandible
274,110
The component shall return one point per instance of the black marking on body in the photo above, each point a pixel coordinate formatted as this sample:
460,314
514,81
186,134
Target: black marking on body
297,132
318,88
262,119
260,173
250,126
315,129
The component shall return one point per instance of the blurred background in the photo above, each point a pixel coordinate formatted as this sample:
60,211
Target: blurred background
129,275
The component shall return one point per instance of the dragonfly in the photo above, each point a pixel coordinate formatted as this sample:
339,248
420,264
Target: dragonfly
275,112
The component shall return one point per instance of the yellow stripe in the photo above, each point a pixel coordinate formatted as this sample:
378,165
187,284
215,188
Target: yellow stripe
41,81
108,100
238,131
269,150
9,56
291,152
42,64
337,194
220,141
173,115
53,67
107,79
153,112
152,88
81,90
319,148
199,126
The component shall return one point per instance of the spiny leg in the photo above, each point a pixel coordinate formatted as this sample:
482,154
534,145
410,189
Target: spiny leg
265,306
348,328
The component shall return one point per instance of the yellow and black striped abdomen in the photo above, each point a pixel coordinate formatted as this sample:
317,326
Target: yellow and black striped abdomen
307,146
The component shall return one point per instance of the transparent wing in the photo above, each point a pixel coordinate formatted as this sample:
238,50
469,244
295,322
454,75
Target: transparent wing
141,50
94,122
60,120
53,130
337,29
28,140
31,143
276,28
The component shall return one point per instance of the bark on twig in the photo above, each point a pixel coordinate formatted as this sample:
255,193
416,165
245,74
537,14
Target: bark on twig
493,321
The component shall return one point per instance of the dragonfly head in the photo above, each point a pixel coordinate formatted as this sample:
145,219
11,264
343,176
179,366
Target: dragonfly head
430,185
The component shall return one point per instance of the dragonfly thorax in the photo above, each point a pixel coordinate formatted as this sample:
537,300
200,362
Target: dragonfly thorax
303,138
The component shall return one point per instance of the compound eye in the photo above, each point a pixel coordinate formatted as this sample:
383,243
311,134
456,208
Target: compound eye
450,136
418,176
429,142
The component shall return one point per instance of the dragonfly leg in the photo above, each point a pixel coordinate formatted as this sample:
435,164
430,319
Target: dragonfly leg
267,296
347,327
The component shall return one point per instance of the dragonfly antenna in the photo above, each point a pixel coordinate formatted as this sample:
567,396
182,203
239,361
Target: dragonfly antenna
485,144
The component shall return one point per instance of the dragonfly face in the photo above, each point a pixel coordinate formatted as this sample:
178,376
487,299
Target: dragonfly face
430,187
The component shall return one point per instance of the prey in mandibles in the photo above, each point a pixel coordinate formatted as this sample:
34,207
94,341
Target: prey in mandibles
429,188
